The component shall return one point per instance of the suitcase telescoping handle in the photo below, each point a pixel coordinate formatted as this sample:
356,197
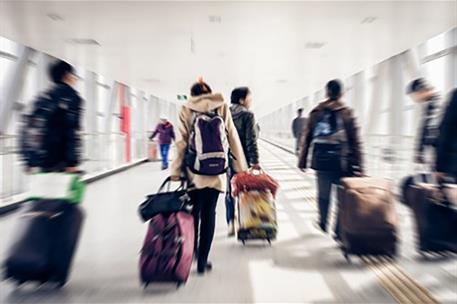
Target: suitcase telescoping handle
168,181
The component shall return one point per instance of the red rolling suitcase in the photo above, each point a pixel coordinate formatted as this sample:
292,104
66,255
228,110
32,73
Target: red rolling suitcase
44,242
168,249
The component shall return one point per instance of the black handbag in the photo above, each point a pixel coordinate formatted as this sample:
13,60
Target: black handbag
166,202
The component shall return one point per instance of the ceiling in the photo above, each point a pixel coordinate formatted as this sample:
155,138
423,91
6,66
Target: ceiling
282,50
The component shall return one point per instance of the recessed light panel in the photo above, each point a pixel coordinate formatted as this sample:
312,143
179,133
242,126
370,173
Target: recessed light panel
83,41
314,45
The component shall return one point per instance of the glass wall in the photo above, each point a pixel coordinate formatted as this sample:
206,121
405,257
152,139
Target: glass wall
387,116
104,144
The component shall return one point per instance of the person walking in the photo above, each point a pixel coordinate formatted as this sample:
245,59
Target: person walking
247,129
333,132
298,127
446,152
166,134
423,93
205,128
50,141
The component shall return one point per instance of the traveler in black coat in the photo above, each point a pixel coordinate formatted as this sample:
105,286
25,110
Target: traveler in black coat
246,127
446,152
62,145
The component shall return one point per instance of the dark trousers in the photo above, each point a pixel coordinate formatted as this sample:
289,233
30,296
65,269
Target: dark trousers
164,149
229,199
325,181
204,203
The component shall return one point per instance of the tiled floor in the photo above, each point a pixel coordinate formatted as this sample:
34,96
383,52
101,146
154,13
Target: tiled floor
302,265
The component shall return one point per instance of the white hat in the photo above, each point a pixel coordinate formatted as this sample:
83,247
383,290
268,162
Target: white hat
163,116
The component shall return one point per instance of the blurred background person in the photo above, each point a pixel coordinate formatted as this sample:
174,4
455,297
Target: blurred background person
298,127
424,94
166,134
247,129
205,188
56,118
446,152
337,152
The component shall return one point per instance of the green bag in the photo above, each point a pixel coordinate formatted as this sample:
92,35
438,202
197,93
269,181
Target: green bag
62,186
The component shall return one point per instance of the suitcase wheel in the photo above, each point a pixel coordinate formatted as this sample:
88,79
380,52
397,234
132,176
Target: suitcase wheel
61,284
347,257
19,283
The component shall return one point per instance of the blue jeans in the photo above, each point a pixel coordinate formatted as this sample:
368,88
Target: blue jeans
325,181
229,199
164,149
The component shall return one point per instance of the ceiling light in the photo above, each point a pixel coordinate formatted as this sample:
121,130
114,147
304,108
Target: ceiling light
83,41
314,45
215,19
281,81
151,80
55,17
368,20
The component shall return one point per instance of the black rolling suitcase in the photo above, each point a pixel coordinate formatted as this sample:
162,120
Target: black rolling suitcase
436,218
44,242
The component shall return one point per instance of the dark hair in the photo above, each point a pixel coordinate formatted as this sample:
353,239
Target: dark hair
200,88
59,69
300,110
417,85
238,94
334,89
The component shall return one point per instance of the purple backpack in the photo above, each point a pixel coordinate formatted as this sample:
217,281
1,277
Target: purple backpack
208,149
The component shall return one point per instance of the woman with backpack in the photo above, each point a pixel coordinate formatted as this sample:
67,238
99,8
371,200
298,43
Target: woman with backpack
245,124
206,135
333,132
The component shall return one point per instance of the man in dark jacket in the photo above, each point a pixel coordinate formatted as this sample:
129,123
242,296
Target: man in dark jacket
61,144
347,160
423,93
246,127
298,127
166,134
446,152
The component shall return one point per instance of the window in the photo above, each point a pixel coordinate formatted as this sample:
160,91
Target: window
435,71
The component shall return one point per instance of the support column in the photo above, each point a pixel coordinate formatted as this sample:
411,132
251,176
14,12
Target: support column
451,64
43,65
15,83
92,142
397,100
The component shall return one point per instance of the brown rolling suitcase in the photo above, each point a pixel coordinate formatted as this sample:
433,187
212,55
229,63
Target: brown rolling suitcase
368,221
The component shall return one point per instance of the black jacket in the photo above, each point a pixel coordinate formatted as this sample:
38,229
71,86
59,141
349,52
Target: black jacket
63,146
352,131
446,152
298,126
428,132
247,131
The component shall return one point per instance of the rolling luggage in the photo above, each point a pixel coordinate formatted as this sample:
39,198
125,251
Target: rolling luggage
435,213
255,192
368,221
44,242
168,249
167,252
256,216
152,151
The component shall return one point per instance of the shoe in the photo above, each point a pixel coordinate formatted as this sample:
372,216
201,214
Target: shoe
231,229
319,226
208,267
